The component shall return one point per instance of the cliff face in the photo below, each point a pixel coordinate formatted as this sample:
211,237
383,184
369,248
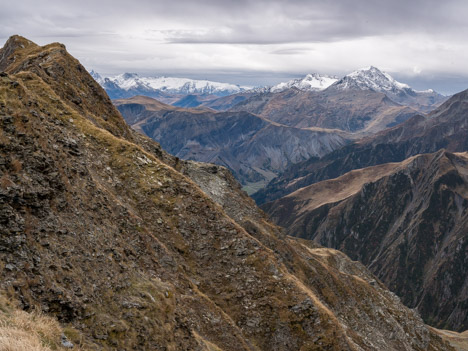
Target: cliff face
103,230
445,127
406,222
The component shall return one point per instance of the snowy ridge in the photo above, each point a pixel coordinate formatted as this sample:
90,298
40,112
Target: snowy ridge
311,82
132,81
371,78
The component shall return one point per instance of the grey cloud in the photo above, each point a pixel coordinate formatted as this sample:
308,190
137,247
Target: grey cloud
291,51
322,21
246,21
236,39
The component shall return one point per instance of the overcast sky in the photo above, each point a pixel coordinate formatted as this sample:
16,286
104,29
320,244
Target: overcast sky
420,42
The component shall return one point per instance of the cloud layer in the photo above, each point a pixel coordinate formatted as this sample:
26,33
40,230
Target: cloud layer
254,42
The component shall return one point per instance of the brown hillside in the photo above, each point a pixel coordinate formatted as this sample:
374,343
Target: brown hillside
102,230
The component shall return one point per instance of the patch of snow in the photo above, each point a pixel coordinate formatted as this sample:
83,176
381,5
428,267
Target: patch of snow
427,91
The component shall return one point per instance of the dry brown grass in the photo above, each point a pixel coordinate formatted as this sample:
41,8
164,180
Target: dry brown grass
23,331
458,340
5,181
20,330
16,165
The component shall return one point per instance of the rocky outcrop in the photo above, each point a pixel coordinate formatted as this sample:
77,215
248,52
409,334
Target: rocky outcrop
406,222
446,127
101,229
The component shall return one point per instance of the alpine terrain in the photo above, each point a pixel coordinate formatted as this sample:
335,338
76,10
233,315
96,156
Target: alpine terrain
405,221
445,127
131,248
259,133
252,147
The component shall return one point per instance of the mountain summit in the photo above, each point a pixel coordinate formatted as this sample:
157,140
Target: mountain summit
372,78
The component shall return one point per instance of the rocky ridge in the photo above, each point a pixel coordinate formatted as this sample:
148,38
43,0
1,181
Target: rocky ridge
101,229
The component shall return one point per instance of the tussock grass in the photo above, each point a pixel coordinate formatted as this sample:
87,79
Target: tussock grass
23,331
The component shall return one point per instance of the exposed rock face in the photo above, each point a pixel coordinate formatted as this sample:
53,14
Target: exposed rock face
446,127
407,222
100,228
254,148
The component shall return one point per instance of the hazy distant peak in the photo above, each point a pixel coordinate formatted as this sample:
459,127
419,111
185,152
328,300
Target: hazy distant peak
311,82
370,78
143,85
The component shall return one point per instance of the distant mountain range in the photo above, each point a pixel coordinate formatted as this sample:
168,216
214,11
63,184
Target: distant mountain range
446,127
311,82
253,148
259,133
185,92
131,84
373,79
397,202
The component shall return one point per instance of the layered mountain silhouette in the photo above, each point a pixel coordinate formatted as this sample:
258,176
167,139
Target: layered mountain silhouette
406,222
360,111
445,127
252,147
396,202
131,248
131,84
277,127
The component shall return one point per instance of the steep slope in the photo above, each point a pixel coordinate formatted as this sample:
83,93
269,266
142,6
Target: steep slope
407,222
446,127
254,148
33,331
97,230
66,77
357,111
372,78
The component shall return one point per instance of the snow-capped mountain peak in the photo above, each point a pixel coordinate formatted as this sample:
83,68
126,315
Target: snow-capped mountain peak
133,83
370,78
311,82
